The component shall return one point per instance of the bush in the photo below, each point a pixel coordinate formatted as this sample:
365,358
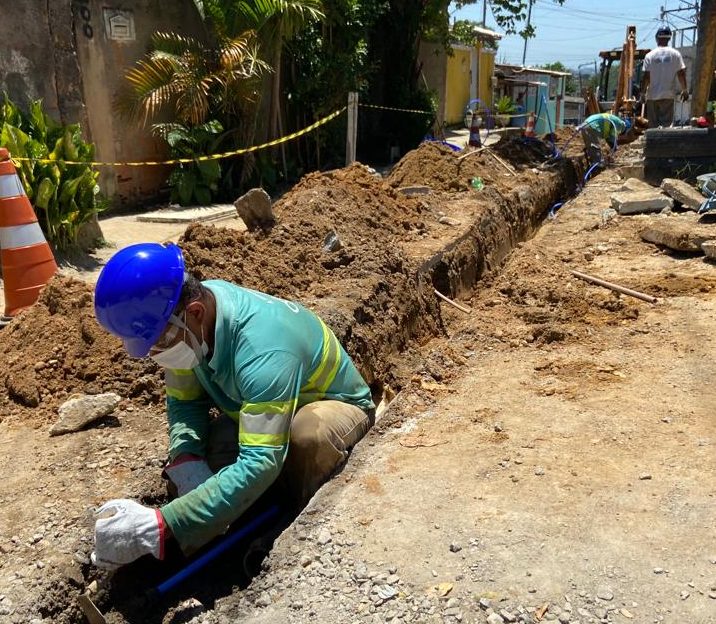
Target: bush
64,196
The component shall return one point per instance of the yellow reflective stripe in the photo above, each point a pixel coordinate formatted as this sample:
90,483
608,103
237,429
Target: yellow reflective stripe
263,439
269,407
182,385
311,383
325,373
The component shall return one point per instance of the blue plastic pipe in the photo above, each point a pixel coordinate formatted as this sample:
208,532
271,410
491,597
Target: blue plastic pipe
221,547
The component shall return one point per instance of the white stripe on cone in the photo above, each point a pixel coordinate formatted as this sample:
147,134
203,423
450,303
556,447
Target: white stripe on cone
15,236
10,186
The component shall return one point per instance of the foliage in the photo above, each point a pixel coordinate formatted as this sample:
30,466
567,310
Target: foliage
505,106
197,182
463,31
510,14
571,85
190,80
65,196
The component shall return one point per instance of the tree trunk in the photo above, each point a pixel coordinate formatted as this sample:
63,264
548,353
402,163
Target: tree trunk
703,72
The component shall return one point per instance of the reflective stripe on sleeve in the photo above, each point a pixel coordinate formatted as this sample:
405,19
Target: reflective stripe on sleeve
259,427
182,385
325,373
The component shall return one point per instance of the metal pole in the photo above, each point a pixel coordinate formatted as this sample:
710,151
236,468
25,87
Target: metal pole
484,13
529,19
352,130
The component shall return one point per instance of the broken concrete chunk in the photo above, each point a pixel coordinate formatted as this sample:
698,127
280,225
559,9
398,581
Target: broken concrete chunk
682,193
679,236
254,208
709,249
635,184
82,409
636,202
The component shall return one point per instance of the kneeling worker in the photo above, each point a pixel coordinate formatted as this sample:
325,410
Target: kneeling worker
273,368
605,126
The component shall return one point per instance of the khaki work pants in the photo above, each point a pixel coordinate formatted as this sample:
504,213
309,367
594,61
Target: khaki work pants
322,435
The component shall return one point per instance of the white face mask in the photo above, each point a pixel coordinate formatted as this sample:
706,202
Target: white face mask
181,355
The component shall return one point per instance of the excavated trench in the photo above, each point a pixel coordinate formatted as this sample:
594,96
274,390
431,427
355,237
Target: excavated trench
374,287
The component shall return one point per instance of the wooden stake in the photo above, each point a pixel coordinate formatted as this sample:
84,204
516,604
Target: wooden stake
615,287
462,308
470,153
510,169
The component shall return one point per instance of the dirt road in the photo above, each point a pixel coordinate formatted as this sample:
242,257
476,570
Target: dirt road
550,458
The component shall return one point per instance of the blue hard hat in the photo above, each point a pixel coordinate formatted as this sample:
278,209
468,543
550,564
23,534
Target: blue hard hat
137,292
627,124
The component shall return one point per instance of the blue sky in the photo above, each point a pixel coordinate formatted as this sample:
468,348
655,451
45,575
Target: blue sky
575,32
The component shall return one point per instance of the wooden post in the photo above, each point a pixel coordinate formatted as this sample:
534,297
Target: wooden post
703,70
352,130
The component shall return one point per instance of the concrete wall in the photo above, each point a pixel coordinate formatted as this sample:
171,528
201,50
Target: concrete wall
458,85
73,55
110,37
431,57
487,69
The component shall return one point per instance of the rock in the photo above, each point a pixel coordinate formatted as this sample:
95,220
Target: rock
455,547
635,185
682,193
539,471
684,595
507,616
485,603
264,599
324,537
709,249
658,570
712,595
332,242
564,618
644,476
678,236
605,593
449,221
254,208
187,610
638,202
80,410
495,618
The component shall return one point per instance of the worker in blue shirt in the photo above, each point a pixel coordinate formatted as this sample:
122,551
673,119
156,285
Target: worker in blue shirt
272,367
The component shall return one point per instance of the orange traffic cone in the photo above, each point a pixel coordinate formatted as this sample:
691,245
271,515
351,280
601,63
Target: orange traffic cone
474,140
530,129
27,260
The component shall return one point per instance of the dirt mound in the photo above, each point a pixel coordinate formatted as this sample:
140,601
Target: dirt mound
57,348
362,285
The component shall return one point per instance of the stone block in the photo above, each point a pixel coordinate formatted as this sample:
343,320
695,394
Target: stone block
687,237
635,184
642,201
682,193
709,248
254,208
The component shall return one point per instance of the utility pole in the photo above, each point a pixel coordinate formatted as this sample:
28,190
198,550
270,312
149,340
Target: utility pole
484,13
529,19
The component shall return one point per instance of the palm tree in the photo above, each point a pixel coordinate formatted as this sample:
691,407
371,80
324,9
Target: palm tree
192,78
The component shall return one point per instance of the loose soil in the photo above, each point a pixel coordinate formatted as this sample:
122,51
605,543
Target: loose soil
508,465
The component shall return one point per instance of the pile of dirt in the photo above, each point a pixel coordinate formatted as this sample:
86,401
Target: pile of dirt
57,348
337,247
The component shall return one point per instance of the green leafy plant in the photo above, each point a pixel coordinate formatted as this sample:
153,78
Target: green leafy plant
505,106
196,182
64,196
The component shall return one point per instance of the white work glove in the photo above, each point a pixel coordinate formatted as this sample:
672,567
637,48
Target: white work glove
188,473
124,531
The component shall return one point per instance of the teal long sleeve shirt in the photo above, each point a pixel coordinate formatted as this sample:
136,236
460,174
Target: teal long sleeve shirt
270,358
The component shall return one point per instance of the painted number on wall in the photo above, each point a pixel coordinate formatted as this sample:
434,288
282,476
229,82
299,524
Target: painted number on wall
86,17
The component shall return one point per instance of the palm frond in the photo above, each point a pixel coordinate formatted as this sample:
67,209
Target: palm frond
176,44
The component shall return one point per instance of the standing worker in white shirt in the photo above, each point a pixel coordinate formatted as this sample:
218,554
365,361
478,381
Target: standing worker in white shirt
660,67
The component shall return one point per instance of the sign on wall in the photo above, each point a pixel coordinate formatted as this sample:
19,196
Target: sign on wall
119,24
